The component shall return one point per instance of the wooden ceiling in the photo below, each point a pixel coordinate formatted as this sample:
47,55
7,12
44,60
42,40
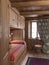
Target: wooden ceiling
32,9
25,0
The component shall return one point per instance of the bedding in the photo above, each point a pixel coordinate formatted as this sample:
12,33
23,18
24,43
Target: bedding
14,43
16,52
17,48
17,42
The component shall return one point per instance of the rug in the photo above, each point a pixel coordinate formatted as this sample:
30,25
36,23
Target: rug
37,61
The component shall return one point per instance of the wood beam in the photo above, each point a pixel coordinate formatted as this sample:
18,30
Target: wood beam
34,13
37,18
30,3
21,9
30,15
25,0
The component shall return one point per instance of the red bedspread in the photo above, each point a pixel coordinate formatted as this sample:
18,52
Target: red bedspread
16,51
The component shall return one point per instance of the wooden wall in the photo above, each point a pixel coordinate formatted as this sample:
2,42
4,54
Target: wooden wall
16,34
4,31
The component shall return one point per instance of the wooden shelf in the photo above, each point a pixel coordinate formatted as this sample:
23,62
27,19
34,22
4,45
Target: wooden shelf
14,28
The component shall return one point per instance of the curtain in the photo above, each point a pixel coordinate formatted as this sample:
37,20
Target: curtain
42,27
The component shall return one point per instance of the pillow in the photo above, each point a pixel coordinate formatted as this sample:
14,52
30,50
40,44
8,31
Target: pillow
17,42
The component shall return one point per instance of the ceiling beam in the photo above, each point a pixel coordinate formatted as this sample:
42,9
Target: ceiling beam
37,18
30,3
35,13
30,15
25,0
21,9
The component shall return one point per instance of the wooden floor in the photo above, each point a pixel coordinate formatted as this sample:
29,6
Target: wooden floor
33,54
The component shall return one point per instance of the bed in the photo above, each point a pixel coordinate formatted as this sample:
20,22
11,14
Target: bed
17,52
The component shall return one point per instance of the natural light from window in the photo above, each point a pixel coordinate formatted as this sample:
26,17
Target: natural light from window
34,29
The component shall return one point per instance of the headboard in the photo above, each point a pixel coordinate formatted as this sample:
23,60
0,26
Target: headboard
16,34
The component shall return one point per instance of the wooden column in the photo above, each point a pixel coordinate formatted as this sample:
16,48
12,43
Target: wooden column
26,30
4,31
0,32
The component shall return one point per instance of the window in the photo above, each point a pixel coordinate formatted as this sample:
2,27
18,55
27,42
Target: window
34,29
35,33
